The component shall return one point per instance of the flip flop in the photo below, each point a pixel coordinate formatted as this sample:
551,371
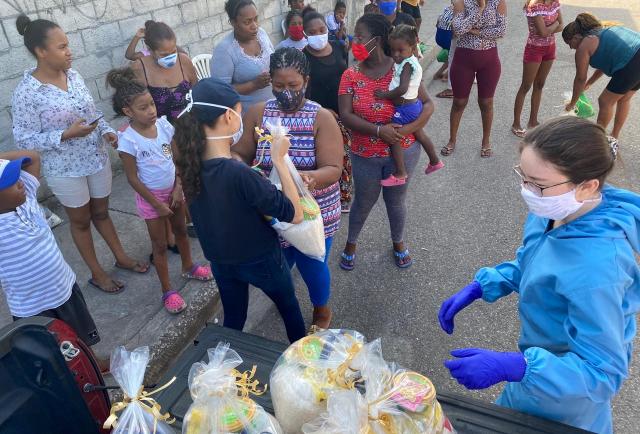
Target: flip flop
446,151
519,132
486,152
118,289
313,329
401,256
347,262
138,267
447,93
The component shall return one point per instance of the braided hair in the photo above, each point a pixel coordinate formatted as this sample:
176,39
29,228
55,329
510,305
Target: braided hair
123,80
289,57
379,26
405,32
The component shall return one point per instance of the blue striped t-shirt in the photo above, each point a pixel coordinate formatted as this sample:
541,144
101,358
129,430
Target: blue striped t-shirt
33,274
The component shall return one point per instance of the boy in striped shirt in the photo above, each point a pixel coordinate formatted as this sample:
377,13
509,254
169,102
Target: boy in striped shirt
34,276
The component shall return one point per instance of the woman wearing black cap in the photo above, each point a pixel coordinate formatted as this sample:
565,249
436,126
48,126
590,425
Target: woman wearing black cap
236,238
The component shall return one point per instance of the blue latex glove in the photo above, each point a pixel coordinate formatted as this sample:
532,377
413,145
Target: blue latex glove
454,304
476,368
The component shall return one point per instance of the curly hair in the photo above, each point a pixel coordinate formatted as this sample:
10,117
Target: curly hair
289,58
378,26
127,88
190,140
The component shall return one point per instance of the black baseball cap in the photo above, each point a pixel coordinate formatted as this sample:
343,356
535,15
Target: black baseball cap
212,91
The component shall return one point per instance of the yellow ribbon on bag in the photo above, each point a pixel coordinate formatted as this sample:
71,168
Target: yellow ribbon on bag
247,384
146,403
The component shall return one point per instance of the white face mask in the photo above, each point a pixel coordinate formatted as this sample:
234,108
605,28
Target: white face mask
553,207
168,61
318,42
235,136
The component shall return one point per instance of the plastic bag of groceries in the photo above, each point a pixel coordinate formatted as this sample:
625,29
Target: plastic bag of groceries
308,235
140,413
391,401
308,371
221,402
583,109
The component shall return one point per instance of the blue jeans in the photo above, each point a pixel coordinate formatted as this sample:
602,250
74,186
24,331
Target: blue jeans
314,273
273,277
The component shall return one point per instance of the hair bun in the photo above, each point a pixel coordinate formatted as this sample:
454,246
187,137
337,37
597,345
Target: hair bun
120,77
149,23
22,23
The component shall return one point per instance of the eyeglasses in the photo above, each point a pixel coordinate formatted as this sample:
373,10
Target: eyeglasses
536,189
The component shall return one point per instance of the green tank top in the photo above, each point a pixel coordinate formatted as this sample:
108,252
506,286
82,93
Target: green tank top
617,47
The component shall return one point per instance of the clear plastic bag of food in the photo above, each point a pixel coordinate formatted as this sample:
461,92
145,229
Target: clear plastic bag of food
140,414
308,371
308,235
390,400
221,398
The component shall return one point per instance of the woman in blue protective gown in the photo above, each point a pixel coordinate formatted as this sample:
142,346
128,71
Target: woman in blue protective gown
577,280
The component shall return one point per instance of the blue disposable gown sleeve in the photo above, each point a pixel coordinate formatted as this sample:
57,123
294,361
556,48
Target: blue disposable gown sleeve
596,363
501,280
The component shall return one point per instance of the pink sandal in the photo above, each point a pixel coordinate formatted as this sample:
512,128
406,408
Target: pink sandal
199,272
432,168
392,181
173,302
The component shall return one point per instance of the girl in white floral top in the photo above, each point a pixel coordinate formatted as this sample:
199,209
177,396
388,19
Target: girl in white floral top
477,25
54,114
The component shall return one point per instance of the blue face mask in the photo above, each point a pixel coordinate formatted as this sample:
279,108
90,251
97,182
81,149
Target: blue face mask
168,61
387,8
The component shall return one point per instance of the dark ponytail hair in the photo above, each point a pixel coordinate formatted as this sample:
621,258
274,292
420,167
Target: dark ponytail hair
405,32
190,141
579,148
379,26
232,7
123,80
35,32
585,24
155,32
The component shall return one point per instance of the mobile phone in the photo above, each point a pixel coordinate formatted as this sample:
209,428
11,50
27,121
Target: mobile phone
95,121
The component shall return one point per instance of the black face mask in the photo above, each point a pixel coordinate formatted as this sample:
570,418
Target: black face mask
289,100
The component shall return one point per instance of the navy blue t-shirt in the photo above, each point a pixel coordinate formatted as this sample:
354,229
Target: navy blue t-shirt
229,211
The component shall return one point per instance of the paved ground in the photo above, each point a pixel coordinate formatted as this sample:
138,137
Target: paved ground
466,216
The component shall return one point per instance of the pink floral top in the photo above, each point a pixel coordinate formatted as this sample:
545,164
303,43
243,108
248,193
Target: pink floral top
549,13
490,23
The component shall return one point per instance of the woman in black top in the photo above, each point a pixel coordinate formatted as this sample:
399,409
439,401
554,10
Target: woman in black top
327,61
236,238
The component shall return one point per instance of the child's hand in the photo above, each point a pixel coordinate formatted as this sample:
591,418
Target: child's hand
379,93
177,198
309,180
140,33
163,210
111,139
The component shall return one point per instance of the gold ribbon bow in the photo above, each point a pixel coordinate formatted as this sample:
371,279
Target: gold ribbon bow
146,403
247,384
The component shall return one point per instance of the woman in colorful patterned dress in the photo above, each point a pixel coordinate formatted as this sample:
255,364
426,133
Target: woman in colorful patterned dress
370,121
544,20
477,25
316,151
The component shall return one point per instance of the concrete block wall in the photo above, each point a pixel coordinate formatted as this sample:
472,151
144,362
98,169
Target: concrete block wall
100,30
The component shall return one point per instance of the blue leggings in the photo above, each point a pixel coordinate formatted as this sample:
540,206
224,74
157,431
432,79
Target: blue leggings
314,273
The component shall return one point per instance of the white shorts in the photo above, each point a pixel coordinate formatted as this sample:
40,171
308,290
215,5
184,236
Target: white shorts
76,191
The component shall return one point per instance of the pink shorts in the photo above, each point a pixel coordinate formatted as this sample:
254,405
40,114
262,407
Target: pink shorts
539,53
146,210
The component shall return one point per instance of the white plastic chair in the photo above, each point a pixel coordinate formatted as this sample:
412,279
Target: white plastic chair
202,63
284,29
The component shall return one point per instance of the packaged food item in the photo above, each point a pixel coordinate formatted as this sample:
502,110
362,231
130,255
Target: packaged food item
308,371
221,398
308,235
391,401
139,412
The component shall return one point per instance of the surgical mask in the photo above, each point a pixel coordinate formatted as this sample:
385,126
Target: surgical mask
168,61
289,100
296,33
235,137
318,42
360,51
553,207
387,8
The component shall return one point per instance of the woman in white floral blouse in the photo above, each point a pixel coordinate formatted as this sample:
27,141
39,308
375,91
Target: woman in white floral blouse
54,114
